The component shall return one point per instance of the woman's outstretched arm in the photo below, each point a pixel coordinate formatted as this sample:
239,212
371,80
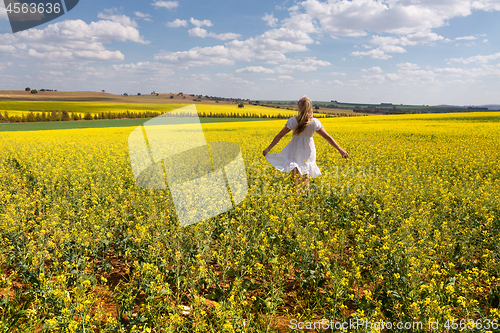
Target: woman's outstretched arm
331,141
277,139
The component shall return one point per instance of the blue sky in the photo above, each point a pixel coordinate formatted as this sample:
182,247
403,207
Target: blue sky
392,51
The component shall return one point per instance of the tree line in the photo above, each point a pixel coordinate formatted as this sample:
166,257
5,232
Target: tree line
64,115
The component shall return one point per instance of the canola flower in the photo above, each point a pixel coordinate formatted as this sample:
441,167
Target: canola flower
406,230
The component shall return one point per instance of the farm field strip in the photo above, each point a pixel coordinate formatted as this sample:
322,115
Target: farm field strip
93,108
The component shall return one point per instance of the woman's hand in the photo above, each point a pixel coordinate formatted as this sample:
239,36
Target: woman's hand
343,153
265,151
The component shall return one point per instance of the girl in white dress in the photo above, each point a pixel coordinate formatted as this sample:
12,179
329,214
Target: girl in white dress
299,155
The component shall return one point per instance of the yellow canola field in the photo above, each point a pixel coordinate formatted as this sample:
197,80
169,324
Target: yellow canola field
405,231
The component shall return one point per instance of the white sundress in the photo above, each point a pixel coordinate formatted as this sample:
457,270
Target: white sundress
300,152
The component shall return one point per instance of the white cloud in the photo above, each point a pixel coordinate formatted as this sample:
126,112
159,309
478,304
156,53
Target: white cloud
375,54
122,19
199,32
487,5
3,13
466,38
408,65
389,44
144,16
7,49
337,73
375,69
373,78
307,65
72,40
358,17
270,46
197,56
199,23
177,23
285,77
146,69
255,69
270,20
203,77
477,59
231,78
165,4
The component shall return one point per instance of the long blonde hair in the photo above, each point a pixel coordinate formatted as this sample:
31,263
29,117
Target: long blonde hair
305,114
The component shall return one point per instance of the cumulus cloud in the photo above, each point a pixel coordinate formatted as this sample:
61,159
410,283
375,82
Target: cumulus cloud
165,4
177,23
466,38
487,5
285,77
375,69
270,47
375,54
197,56
199,23
3,13
144,16
358,17
255,69
72,40
307,65
270,20
146,69
200,32
390,44
122,19
410,22
480,59
408,65
288,66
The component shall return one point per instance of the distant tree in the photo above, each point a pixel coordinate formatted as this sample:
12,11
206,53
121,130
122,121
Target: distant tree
316,107
125,94
65,116
103,90
138,94
171,96
241,105
87,116
27,89
157,94
34,91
